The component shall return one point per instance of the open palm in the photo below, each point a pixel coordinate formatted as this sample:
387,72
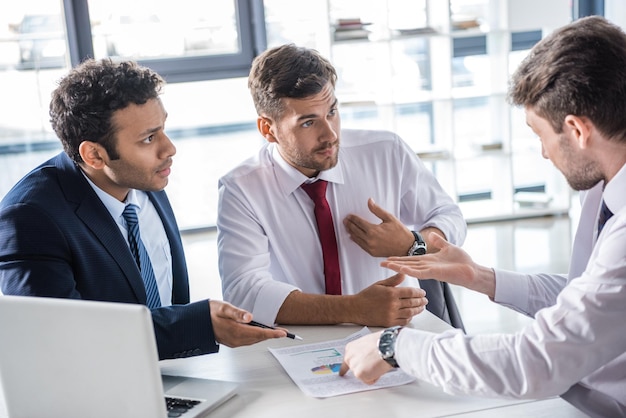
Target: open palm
450,264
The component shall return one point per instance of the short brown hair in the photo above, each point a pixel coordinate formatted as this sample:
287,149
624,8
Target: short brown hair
287,71
579,69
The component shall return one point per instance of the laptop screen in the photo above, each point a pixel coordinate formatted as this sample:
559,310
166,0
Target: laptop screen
62,357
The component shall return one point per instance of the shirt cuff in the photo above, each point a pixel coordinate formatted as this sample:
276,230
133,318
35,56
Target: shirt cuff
511,289
269,300
412,352
416,353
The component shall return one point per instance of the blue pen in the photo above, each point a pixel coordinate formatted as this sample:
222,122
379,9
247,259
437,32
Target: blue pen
260,325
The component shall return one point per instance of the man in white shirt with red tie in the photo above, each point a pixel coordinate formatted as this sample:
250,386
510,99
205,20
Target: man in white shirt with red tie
573,88
275,257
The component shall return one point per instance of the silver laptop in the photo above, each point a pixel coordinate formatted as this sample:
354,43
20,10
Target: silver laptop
74,358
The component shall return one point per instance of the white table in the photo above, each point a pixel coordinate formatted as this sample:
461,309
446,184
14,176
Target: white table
267,391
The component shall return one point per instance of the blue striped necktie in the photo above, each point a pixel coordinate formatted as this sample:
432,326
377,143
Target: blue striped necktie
141,257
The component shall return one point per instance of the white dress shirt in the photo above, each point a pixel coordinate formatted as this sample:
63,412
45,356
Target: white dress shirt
267,235
152,234
575,347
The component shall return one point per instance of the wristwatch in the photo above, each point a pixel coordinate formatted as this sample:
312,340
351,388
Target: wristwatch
387,345
419,245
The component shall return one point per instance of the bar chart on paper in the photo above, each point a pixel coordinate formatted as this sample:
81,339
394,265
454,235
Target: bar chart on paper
315,368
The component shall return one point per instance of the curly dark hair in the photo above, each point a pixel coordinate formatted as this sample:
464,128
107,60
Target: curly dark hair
84,101
287,71
579,69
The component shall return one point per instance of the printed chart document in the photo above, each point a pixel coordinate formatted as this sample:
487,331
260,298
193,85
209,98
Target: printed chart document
315,368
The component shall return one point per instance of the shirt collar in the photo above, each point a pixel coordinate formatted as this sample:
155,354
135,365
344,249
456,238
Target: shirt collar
613,195
289,178
114,206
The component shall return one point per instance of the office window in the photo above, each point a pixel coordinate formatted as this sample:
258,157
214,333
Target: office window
417,67
33,55
183,40
147,29
204,62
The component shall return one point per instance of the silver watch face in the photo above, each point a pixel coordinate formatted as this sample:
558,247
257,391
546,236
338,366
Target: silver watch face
418,249
386,348
419,245
386,345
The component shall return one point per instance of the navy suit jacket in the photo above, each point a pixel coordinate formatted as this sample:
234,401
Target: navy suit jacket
57,239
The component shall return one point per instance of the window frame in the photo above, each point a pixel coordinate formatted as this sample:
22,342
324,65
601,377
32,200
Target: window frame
250,20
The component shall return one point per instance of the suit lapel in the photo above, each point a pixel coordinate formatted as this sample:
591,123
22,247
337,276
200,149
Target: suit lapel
97,218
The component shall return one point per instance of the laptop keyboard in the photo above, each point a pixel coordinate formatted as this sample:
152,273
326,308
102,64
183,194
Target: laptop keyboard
176,407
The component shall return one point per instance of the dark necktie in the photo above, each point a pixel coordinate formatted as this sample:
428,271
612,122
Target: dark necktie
326,231
605,215
141,257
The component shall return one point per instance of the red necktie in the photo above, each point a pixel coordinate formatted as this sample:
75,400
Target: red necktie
326,230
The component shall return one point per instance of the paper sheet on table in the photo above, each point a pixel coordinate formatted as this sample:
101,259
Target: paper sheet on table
315,368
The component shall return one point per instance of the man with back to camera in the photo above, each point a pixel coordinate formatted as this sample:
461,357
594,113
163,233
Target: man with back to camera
285,264
572,86
63,227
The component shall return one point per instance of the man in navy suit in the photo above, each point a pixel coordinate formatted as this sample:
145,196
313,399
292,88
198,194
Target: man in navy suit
62,233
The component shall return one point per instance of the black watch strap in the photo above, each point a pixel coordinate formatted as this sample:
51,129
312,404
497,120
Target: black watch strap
419,245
